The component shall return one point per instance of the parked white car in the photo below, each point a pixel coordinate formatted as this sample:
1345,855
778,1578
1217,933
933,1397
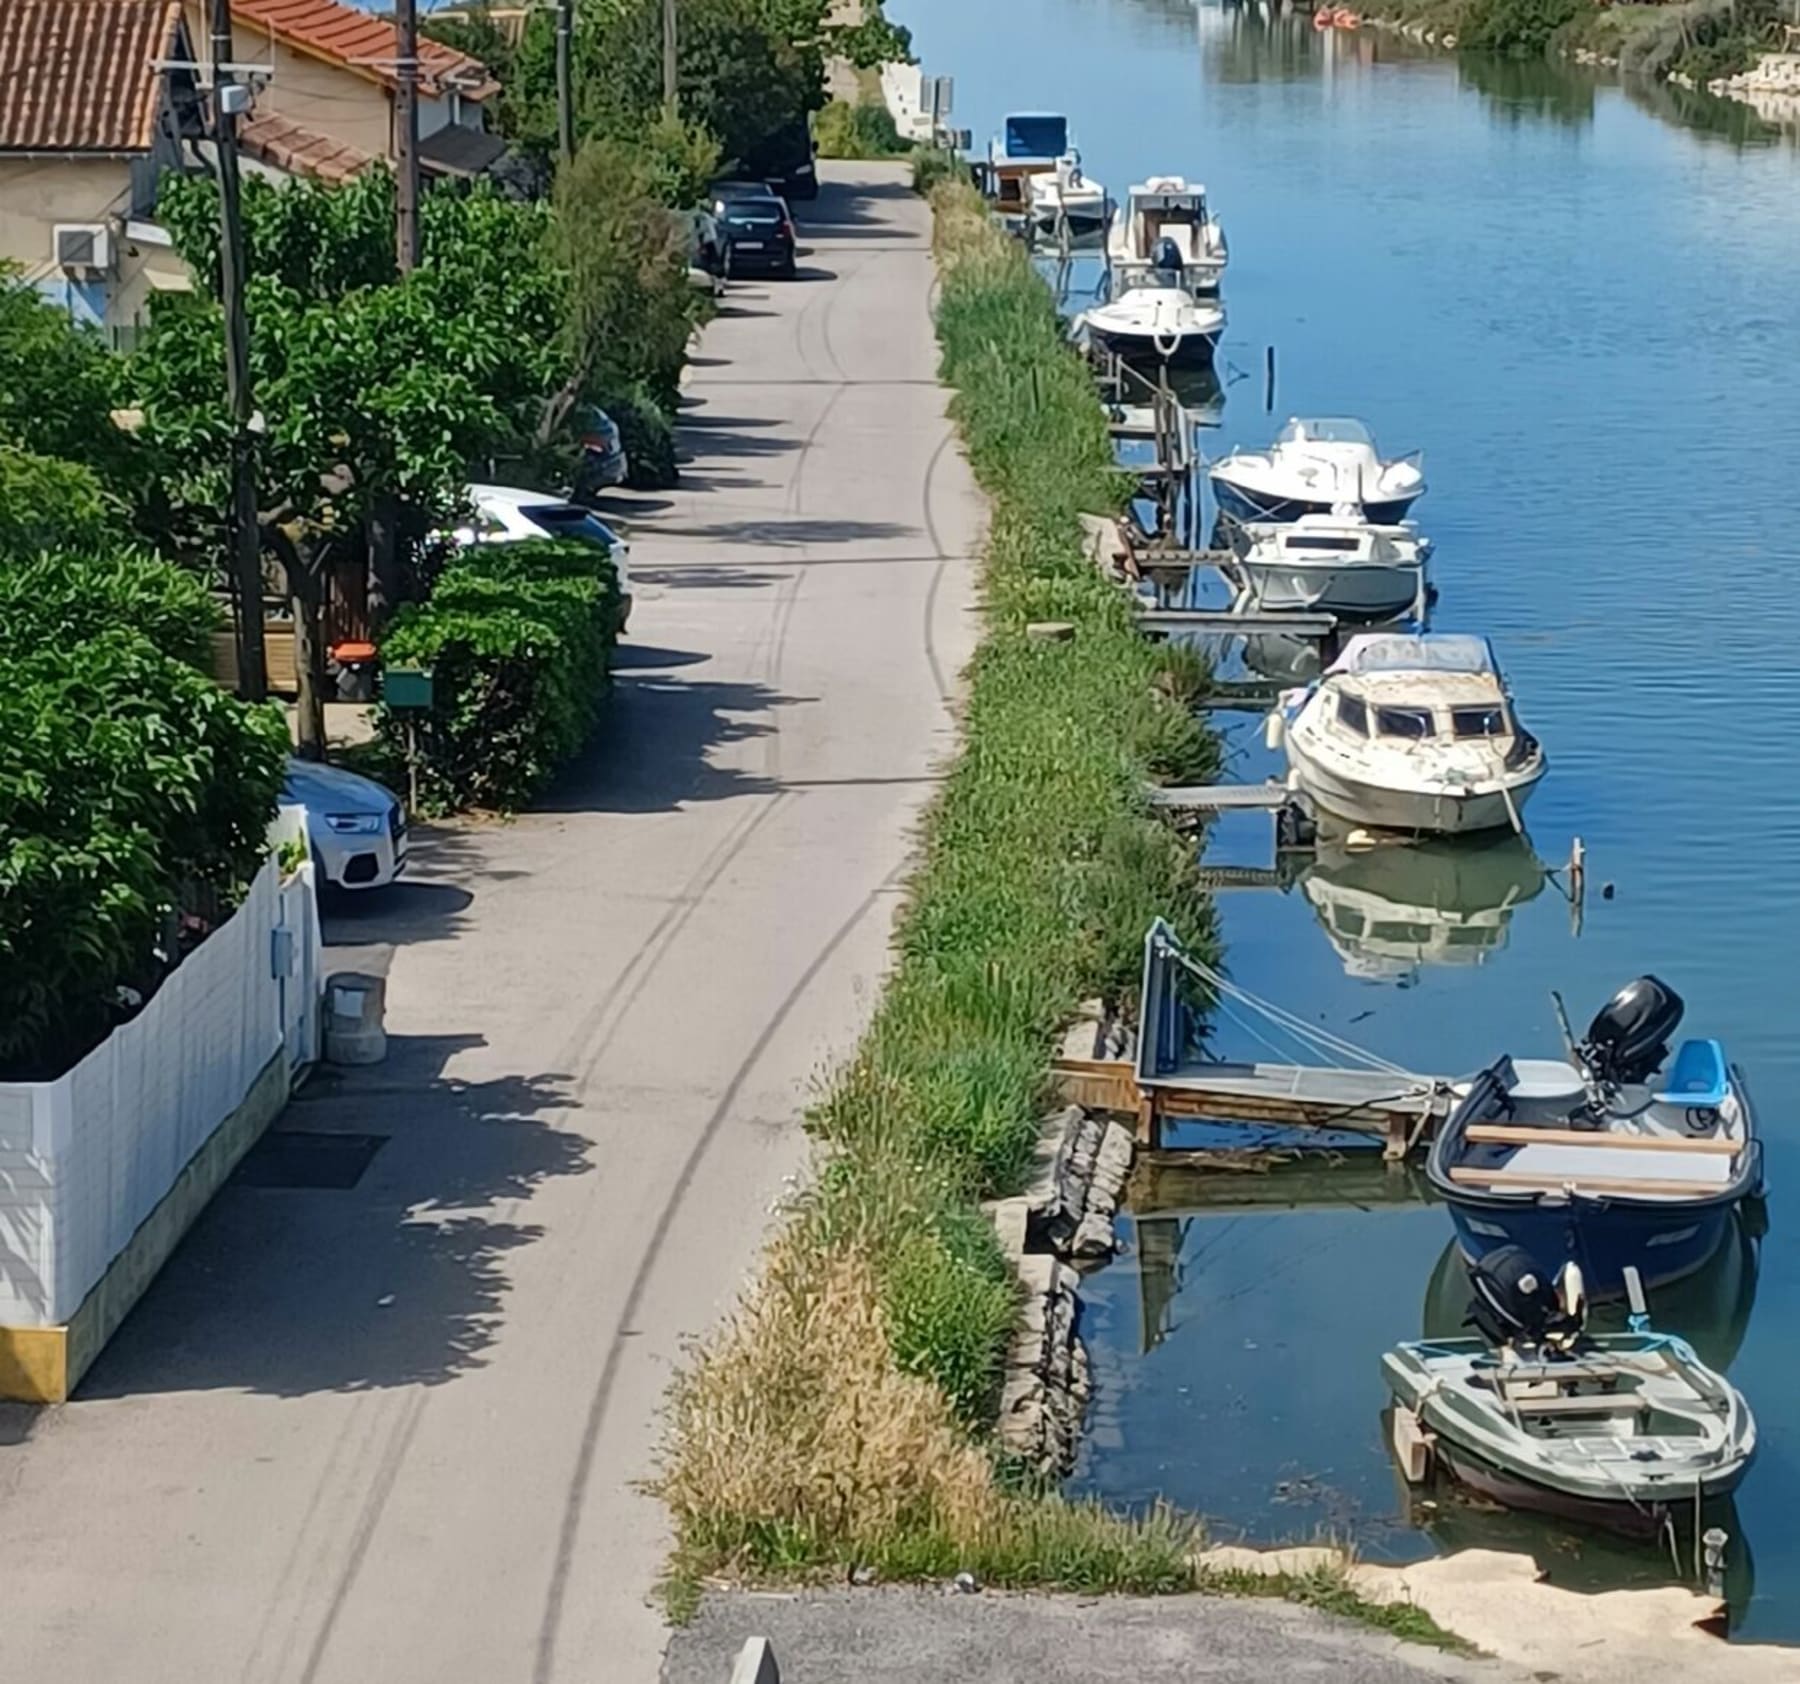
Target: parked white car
357,828
505,514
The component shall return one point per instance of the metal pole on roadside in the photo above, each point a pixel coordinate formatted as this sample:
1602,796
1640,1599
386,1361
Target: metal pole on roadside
406,134
230,99
670,59
565,91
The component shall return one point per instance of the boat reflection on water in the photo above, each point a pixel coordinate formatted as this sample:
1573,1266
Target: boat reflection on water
1391,910
1710,1309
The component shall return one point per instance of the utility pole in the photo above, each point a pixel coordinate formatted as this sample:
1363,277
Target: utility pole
406,134
230,98
671,90
565,93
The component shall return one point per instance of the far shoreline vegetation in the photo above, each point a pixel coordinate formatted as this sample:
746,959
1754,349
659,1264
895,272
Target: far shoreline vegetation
1691,41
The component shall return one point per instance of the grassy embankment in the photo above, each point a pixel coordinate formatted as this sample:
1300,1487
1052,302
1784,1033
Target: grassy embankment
843,1416
1698,40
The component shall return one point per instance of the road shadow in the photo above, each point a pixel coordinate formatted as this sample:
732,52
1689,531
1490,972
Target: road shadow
648,657
660,745
843,205
398,1280
710,576
785,533
702,445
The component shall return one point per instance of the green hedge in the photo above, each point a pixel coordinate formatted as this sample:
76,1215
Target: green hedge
519,637
129,781
1043,864
59,598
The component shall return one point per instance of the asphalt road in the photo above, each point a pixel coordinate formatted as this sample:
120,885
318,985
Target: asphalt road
907,1636
390,1430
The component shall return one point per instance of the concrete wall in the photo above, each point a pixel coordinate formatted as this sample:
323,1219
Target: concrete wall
36,193
86,1159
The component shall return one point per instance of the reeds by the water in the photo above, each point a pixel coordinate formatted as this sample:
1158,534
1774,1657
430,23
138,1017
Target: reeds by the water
842,1416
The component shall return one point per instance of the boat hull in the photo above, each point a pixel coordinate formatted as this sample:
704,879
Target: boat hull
1084,215
1415,811
1356,593
1191,350
1244,503
1663,1242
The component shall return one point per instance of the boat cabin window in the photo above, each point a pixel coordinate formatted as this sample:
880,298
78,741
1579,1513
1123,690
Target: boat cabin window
1317,541
1353,714
1404,722
1479,721
1324,430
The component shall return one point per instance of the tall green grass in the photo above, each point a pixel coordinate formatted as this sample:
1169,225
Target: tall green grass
1041,867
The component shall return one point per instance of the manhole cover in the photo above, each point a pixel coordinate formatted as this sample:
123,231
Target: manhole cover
296,1159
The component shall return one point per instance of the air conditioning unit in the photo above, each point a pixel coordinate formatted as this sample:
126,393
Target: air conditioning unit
84,246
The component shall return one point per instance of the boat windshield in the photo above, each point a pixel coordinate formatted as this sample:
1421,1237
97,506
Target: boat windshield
1313,430
1414,723
1036,136
1353,714
1479,721
1316,541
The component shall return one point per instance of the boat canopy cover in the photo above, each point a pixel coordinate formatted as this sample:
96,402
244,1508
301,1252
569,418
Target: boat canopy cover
1035,134
1428,652
1324,430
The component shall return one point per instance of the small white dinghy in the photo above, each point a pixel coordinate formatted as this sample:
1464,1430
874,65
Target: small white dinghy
1155,324
1314,466
1620,1429
1412,733
1338,563
1068,196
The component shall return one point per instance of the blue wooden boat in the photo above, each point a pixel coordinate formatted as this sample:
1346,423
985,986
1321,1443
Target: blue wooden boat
1604,1156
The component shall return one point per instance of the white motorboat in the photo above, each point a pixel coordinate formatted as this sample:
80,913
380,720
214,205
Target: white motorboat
1411,733
1164,227
1313,467
1338,563
1068,196
1619,1429
1155,324
1029,144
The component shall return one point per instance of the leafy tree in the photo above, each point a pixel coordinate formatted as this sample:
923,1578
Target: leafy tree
47,503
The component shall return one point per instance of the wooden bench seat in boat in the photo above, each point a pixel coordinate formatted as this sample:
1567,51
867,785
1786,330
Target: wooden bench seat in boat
1553,1179
1509,1134
1594,1403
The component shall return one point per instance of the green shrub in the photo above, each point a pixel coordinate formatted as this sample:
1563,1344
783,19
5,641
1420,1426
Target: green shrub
519,637
128,780
932,165
648,434
47,503
62,597
863,130
1517,26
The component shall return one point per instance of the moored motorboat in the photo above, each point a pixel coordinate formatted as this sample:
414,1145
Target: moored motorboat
1069,196
1164,224
1603,1155
1153,324
1028,145
1412,733
1617,1429
1314,466
1339,563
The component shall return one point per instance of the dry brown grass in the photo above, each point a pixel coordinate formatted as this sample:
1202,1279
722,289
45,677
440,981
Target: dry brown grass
793,1435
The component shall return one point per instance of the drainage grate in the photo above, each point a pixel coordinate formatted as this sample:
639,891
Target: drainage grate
294,1158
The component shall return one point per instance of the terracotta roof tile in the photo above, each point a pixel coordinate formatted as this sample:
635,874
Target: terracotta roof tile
286,146
364,42
80,75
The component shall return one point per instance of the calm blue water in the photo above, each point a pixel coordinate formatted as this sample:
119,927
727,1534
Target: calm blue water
1587,313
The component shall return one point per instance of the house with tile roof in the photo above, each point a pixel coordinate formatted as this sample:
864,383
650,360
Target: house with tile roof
89,120
325,78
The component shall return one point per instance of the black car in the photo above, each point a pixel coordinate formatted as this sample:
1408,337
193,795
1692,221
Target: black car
759,235
785,161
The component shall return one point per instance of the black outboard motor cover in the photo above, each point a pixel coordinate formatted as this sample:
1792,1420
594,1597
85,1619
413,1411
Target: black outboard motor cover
1165,254
1515,1302
1629,1039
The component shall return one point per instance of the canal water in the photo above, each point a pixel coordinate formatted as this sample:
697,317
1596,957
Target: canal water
1583,303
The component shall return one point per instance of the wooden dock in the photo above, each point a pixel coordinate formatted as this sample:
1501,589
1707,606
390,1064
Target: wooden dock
1396,1109
1226,622
1221,798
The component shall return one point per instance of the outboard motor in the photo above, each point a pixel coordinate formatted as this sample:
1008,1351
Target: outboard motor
1166,254
1516,1303
1629,1039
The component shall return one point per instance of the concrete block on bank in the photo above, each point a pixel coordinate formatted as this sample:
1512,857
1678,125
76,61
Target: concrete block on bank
755,1663
1271,1564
